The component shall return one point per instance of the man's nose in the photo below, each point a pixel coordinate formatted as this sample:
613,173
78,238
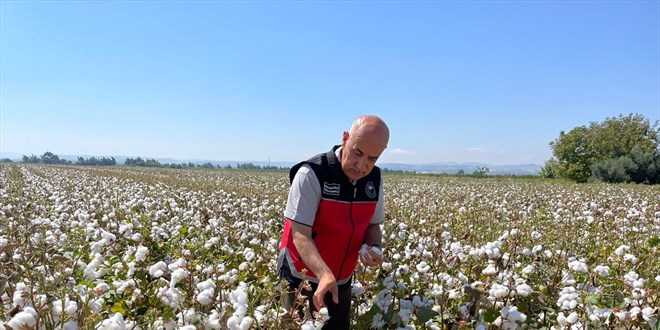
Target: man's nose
362,163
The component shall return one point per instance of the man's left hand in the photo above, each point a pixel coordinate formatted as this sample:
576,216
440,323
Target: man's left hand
371,257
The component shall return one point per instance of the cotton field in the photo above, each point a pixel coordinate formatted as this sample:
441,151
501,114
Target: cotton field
135,248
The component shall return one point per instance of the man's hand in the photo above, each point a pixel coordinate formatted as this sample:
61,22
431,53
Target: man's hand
327,283
371,256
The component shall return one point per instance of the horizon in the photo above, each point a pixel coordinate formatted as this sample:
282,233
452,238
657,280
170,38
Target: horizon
18,157
457,82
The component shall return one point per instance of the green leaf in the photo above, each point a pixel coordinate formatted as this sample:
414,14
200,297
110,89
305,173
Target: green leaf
653,241
490,315
142,310
593,299
168,313
374,310
388,316
119,307
424,314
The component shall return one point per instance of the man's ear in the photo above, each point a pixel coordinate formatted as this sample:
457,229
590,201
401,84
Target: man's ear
344,138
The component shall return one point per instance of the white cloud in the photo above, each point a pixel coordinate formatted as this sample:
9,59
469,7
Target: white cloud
399,151
476,149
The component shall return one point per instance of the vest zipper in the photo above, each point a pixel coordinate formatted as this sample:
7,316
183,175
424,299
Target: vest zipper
348,245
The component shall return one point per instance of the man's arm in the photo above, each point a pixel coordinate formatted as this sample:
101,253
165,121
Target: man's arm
302,239
373,235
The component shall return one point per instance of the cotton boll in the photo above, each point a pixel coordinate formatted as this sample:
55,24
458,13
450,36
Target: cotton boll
498,291
561,319
25,319
234,322
115,322
208,284
602,271
205,297
491,269
357,289
648,315
21,294
512,314
572,318
364,250
101,288
141,253
213,324
246,322
630,258
178,275
523,290
621,250
158,269
69,325
578,266
309,325
249,254
95,304
423,267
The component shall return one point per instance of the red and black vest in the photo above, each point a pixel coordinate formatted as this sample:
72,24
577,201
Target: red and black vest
342,217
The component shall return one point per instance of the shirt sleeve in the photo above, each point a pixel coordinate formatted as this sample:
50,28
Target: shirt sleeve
304,197
379,214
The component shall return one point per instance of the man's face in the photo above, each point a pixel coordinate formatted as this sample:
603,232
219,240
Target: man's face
360,153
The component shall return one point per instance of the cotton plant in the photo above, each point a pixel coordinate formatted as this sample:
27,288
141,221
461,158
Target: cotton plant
176,245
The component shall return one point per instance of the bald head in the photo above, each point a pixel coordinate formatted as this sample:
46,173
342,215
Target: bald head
363,145
371,126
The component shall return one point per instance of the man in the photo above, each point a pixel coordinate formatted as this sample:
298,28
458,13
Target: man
335,205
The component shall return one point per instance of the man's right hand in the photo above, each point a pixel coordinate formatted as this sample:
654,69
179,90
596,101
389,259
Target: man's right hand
327,283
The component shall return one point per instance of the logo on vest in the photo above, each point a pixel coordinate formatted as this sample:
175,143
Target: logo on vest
370,190
331,188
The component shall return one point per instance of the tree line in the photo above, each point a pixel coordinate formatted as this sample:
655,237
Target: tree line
51,158
619,149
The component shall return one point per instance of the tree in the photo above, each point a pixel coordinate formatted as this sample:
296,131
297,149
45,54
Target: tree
604,151
32,159
50,158
638,167
573,158
548,169
481,171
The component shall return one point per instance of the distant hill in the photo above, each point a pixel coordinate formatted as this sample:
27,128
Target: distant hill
437,167
468,168
11,155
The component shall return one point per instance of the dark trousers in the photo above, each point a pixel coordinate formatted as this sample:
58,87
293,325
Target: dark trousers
339,313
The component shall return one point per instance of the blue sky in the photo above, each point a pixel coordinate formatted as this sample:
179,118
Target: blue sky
484,81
